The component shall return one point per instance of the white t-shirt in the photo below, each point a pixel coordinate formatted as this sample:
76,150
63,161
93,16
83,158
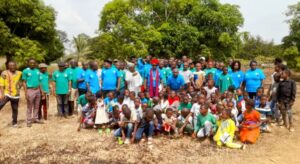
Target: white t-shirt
196,109
210,91
187,75
134,82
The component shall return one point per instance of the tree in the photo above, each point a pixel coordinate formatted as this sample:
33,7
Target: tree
291,43
167,28
82,48
27,30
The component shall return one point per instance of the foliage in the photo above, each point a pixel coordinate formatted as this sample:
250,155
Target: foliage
167,28
291,43
27,29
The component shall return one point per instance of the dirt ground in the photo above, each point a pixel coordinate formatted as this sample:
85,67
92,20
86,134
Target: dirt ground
57,141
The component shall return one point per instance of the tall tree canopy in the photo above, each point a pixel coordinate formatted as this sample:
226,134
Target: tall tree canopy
291,43
167,28
27,30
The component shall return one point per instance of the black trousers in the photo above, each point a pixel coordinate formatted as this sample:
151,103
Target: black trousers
14,106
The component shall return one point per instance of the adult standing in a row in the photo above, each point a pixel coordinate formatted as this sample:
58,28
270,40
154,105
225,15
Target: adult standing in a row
31,84
254,78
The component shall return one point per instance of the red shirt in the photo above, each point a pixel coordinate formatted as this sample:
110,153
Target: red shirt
173,99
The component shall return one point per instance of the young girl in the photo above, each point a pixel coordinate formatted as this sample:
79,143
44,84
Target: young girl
169,121
249,128
102,118
164,103
225,132
265,113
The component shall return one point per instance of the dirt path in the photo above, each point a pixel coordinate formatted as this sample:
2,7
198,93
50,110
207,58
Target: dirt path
57,141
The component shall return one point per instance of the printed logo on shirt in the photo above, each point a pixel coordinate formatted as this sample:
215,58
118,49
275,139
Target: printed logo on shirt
238,75
57,75
66,75
29,74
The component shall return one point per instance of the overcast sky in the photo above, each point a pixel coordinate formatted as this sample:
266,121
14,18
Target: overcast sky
262,17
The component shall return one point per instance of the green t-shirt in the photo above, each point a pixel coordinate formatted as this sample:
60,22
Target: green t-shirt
73,73
61,80
82,100
32,77
44,79
164,75
213,71
184,105
202,119
121,75
225,81
193,70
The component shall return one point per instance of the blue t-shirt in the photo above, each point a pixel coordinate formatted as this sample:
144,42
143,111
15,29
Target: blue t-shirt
216,77
92,79
147,76
109,79
140,66
238,78
175,83
253,79
81,75
147,68
110,103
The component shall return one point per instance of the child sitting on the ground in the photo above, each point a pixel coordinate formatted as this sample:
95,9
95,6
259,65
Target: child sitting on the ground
127,125
185,122
89,112
169,121
110,101
206,124
82,101
146,126
185,103
234,112
225,132
210,89
265,113
114,120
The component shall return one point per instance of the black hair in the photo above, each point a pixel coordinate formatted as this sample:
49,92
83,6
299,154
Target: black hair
252,62
277,61
231,88
288,72
234,62
169,110
250,102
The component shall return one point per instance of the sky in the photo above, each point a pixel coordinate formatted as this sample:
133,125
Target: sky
261,17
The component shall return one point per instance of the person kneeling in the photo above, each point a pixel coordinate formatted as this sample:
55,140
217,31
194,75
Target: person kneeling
127,126
206,124
89,112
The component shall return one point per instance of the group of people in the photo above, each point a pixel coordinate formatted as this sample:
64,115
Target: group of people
140,98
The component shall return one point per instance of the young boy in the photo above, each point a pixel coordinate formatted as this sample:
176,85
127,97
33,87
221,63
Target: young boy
146,126
265,113
110,101
185,103
206,124
127,125
224,81
210,88
286,95
259,93
89,112
272,94
82,101
185,122
169,121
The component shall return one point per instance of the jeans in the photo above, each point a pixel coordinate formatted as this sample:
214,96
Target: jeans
62,104
128,131
14,106
147,128
275,110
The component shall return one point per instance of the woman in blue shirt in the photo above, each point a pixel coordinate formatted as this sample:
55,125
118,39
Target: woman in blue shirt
254,78
236,74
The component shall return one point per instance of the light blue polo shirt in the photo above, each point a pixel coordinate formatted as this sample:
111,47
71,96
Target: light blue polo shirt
109,79
253,79
175,83
81,75
237,78
92,79
213,71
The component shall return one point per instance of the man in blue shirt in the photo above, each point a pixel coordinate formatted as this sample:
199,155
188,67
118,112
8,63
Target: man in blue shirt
176,81
109,78
92,80
81,79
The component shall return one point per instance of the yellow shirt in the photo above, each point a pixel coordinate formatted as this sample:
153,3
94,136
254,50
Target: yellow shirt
10,83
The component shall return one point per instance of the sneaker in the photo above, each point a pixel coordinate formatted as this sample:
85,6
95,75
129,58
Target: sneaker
127,141
107,131
243,147
100,132
120,141
150,139
15,126
292,130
